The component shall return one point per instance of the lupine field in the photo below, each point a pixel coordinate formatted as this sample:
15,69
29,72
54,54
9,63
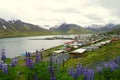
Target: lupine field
89,68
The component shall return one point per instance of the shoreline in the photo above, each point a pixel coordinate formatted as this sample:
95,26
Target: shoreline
14,36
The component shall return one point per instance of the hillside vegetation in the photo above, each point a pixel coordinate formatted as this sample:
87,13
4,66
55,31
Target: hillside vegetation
69,29
116,30
105,53
19,28
88,61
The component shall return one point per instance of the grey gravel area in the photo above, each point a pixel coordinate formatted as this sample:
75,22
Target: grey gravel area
59,58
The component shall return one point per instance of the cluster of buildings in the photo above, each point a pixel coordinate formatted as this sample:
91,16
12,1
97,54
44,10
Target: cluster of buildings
76,48
77,53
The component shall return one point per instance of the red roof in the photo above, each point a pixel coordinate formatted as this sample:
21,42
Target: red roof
114,39
70,42
68,49
67,43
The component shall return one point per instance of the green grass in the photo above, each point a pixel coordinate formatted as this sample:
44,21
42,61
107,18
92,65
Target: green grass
4,34
106,53
88,58
103,54
47,52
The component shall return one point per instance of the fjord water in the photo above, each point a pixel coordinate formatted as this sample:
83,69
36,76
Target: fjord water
15,46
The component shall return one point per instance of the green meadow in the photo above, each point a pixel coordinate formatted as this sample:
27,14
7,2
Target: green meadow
88,60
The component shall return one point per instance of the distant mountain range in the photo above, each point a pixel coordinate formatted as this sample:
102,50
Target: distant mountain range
116,30
69,29
101,28
19,28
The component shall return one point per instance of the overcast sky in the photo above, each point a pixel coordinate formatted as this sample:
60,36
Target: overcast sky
52,12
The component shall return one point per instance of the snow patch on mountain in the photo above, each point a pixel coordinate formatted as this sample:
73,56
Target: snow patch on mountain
4,27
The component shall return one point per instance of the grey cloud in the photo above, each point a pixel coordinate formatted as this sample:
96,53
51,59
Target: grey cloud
104,3
110,3
67,10
7,15
47,19
112,6
93,17
54,11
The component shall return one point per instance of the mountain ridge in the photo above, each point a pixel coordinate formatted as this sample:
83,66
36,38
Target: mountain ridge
116,30
69,29
101,28
17,27
20,28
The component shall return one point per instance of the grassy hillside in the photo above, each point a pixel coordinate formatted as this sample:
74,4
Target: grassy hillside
88,59
116,30
20,34
69,29
18,28
40,70
103,54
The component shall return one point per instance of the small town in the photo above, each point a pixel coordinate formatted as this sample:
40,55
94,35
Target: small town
59,40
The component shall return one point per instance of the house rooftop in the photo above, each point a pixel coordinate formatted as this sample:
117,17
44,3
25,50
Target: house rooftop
58,51
79,51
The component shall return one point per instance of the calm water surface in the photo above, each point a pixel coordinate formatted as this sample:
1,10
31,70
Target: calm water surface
15,46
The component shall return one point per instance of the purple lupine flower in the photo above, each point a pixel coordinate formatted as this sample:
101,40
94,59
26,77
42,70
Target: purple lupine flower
37,57
13,62
85,74
35,77
51,69
75,72
116,66
117,60
29,62
4,68
1,63
78,71
84,71
70,71
16,60
106,65
52,78
3,57
28,54
92,75
99,69
113,66
57,67
88,74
